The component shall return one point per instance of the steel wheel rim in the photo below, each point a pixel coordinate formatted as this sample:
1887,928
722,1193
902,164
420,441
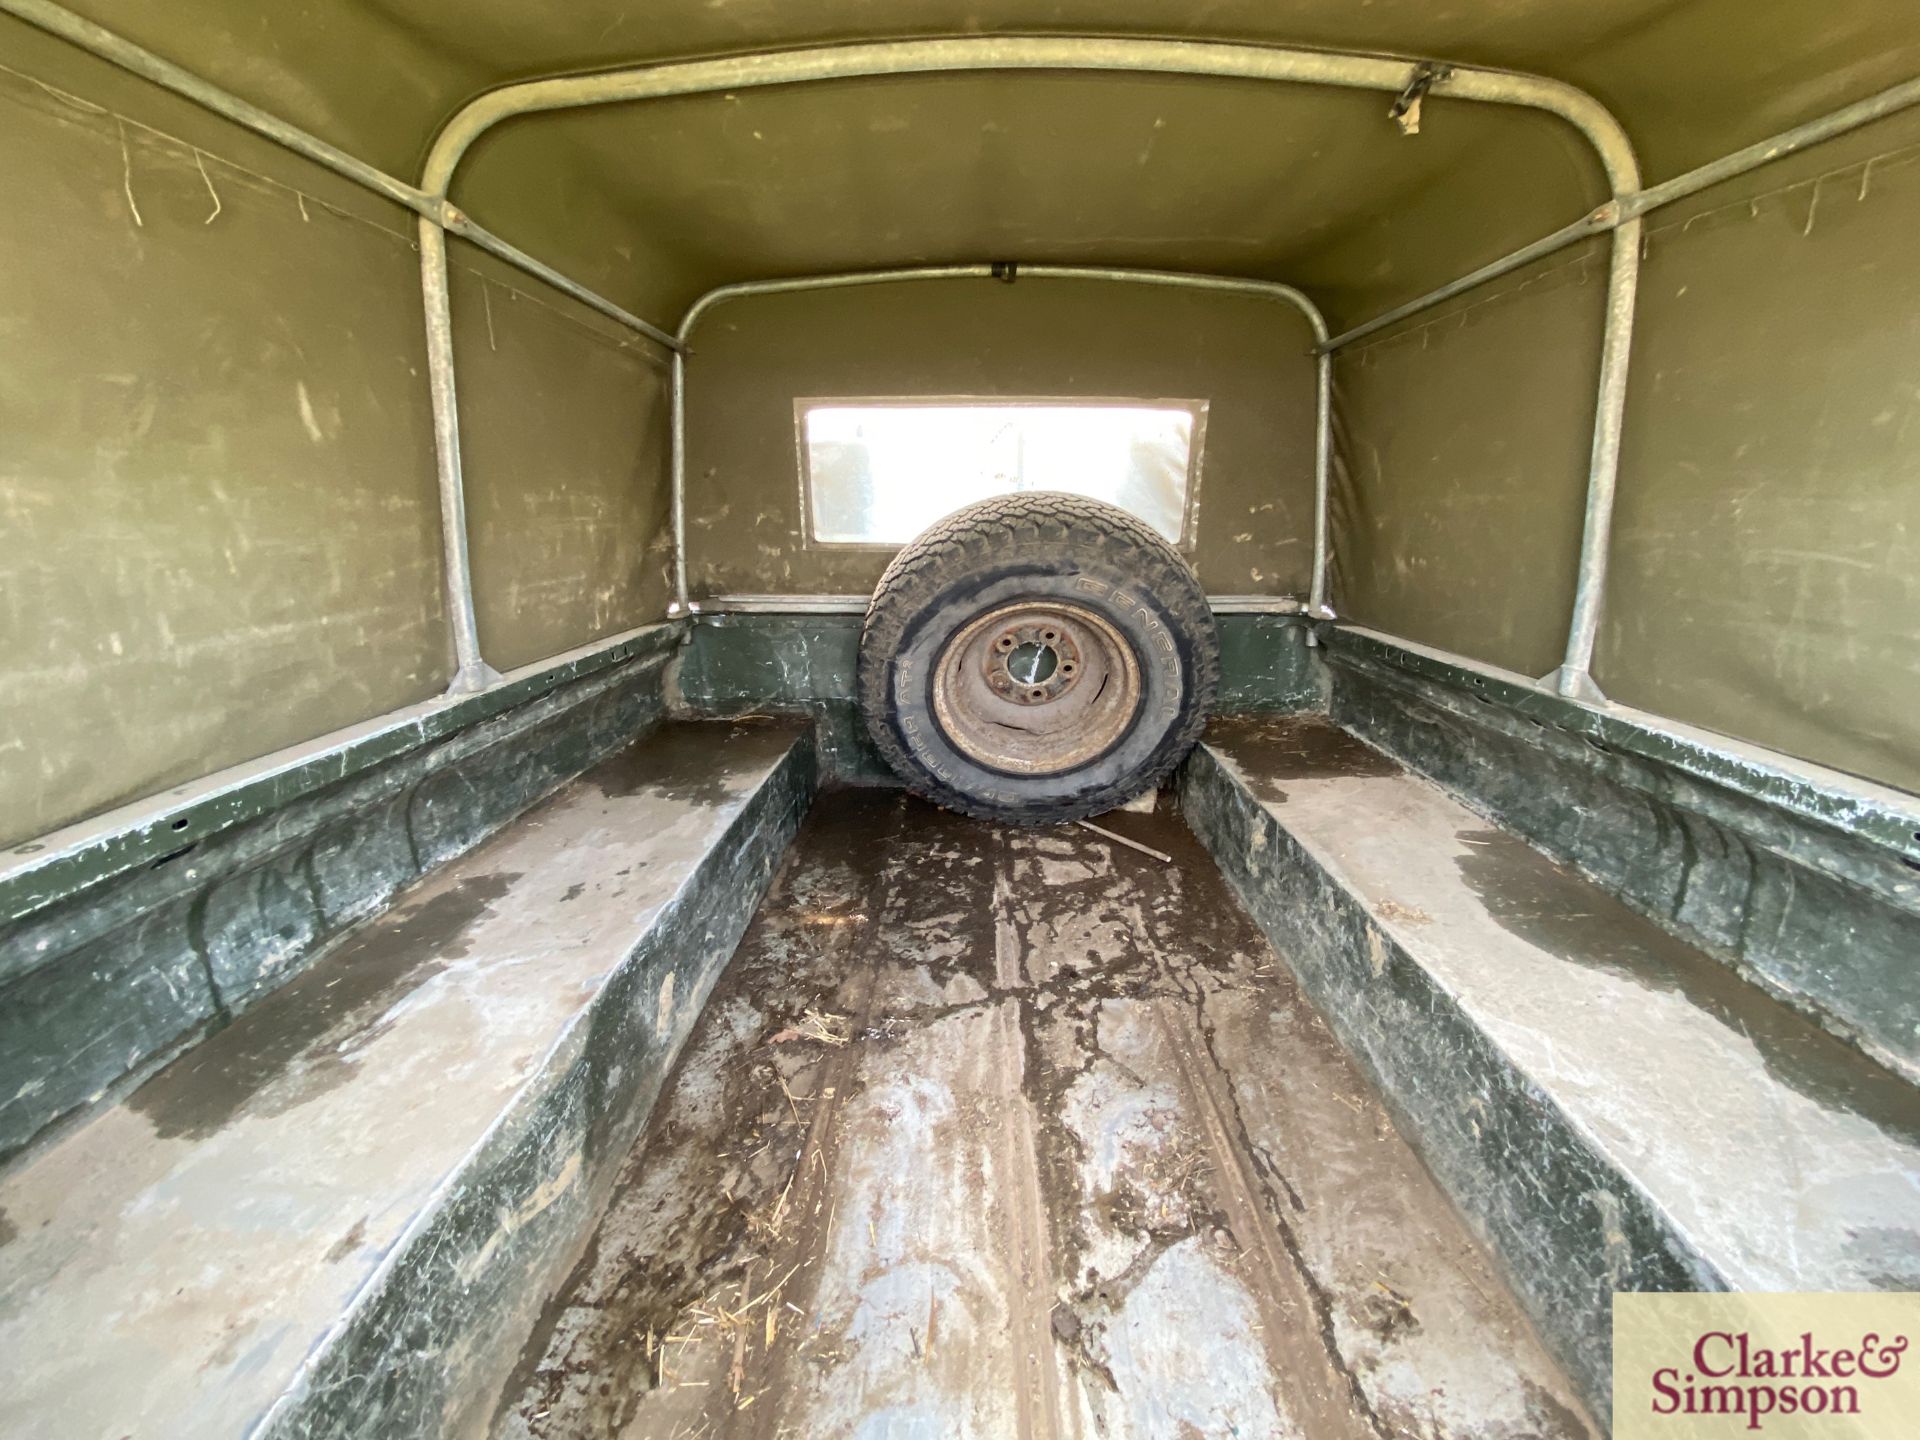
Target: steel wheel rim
1036,688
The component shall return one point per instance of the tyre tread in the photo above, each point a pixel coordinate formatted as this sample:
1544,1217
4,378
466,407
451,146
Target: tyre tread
973,537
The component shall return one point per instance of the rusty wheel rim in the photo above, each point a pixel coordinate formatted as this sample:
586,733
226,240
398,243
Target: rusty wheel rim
1036,688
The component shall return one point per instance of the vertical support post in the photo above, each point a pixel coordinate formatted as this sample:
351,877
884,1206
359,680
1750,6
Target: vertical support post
677,424
1317,606
1574,678
471,672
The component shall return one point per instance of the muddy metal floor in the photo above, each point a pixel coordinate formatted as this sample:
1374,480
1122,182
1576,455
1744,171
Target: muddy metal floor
991,1132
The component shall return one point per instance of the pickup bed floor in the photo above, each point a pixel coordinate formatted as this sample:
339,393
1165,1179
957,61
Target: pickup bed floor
989,1132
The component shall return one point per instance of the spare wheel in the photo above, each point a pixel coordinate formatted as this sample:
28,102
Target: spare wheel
1037,658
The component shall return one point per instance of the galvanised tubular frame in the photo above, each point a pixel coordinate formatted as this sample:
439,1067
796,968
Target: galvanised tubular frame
436,218
857,605
1210,59
1622,215
437,215
1265,289
1627,207
103,43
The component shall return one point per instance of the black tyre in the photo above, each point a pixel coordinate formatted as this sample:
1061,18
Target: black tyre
1037,658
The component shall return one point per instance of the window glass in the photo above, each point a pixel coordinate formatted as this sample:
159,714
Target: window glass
880,472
